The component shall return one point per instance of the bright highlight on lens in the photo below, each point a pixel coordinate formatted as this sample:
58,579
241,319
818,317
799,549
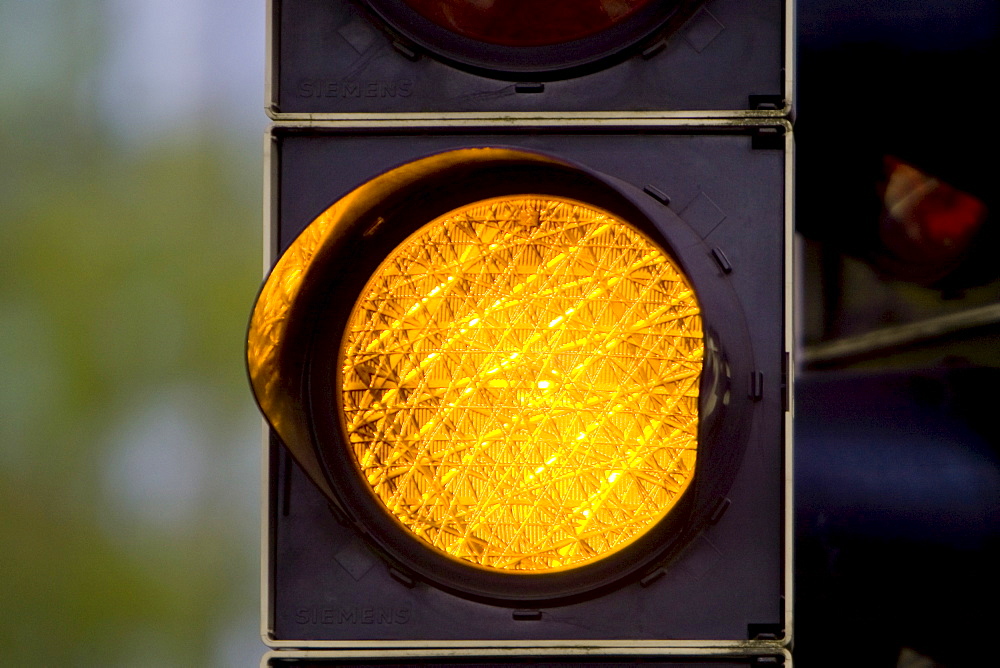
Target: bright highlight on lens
520,383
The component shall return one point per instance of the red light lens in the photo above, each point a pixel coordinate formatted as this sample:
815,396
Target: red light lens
526,22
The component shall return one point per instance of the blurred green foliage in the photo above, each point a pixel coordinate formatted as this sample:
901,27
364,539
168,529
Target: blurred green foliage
128,439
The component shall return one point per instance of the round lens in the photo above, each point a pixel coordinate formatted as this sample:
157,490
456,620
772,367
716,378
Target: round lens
520,383
526,22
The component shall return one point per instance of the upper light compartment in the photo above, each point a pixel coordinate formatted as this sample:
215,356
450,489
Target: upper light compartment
412,59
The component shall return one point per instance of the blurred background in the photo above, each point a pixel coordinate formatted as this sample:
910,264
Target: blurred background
897,486
130,209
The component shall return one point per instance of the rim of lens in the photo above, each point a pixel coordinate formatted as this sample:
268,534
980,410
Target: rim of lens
506,47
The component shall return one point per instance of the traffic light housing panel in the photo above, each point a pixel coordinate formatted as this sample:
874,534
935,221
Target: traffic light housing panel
680,58
342,573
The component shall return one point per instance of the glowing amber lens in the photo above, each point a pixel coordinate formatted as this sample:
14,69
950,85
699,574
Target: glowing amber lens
520,383
526,22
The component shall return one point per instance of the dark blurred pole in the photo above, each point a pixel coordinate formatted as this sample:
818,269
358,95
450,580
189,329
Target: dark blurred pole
897,517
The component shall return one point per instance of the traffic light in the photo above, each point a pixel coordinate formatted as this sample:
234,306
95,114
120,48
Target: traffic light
524,358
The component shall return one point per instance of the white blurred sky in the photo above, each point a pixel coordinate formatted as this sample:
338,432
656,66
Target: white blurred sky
170,61
147,67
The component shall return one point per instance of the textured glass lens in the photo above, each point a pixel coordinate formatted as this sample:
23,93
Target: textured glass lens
520,383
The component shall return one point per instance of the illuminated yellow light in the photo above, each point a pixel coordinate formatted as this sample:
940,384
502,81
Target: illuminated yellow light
448,399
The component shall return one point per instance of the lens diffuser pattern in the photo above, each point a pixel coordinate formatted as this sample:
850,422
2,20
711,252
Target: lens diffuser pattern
520,383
